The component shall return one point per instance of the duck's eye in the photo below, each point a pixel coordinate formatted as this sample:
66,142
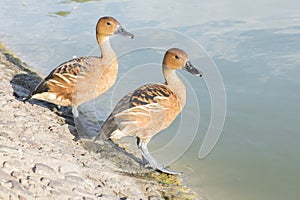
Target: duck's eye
176,57
108,23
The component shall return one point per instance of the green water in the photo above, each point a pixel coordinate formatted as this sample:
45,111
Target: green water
256,48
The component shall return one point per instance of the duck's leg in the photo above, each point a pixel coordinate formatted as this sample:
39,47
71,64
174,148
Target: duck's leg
148,159
85,129
75,111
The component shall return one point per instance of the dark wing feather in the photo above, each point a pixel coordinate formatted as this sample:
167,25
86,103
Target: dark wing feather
71,67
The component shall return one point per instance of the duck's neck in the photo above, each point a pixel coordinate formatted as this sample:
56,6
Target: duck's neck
107,53
175,83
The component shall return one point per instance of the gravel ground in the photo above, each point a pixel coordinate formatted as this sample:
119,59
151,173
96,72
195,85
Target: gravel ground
40,159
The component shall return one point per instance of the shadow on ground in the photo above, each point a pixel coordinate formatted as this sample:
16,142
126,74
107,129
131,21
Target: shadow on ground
24,83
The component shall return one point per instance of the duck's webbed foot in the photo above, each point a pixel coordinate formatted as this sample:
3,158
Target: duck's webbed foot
149,161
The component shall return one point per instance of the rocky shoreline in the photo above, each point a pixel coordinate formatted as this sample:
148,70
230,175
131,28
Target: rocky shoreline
40,159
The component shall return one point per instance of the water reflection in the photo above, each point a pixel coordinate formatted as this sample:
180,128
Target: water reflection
60,13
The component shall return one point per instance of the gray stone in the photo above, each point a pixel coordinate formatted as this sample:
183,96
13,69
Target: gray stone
20,197
57,184
4,177
74,179
16,174
54,192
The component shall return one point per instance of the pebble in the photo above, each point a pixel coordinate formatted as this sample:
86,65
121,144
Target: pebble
15,174
11,164
54,192
42,169
66,168
75,179
82,192
45,180
87,198
4,177
20,197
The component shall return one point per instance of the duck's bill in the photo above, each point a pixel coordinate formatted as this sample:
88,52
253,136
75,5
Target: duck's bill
124,33
190,68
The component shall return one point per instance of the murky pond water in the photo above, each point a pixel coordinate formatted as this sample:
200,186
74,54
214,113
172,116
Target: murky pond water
255,46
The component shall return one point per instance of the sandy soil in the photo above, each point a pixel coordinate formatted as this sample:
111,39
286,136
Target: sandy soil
41,159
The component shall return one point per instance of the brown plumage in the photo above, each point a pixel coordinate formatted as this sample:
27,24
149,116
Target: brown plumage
151,108
82,79
140,112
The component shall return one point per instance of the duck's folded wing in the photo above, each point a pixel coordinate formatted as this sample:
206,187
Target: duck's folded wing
140,117
72,67
145,108
61,78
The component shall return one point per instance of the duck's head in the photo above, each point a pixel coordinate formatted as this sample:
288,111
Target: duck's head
177,59
108,26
